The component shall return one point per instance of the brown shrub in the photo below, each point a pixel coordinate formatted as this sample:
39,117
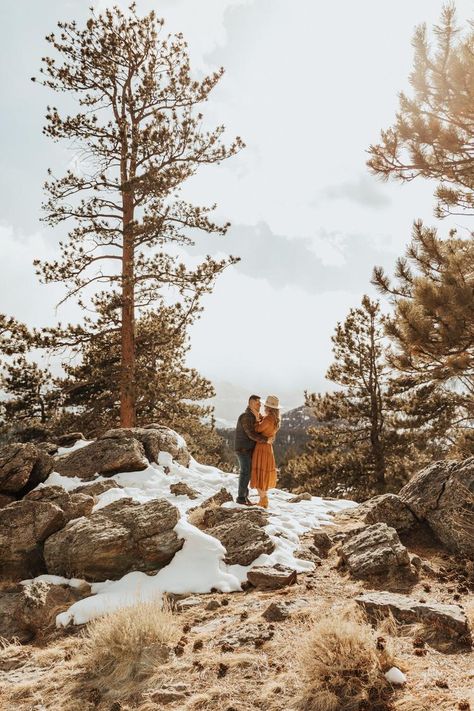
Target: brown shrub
124,648
342,666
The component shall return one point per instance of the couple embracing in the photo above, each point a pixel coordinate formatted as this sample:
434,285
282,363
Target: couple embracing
254,436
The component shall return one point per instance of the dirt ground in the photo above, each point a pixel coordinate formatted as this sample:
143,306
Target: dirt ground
230,658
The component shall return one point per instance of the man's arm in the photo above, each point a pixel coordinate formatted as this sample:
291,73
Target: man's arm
249,429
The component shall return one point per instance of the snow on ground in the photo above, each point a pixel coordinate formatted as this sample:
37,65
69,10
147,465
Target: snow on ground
77,445
199,566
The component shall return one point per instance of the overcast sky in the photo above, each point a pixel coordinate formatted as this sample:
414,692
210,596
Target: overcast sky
308,86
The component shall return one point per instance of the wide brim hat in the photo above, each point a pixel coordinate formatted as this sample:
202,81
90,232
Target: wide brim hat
272,402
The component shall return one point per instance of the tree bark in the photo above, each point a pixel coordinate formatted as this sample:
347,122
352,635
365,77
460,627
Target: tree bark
127,380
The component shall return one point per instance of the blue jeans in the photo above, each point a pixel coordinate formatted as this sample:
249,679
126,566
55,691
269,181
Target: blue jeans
245,461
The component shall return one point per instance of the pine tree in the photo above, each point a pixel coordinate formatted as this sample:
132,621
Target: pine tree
139,137
31,394
432,329
433,132
364,443
29,397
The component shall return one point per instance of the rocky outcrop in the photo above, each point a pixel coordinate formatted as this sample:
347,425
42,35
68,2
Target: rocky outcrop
24,525
445,621
115,540
386,508
72,504
22,467
267,577
29,610
442,494
155,439
375,550
104,456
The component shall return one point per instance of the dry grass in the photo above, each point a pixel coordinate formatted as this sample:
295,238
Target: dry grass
342,664
123,649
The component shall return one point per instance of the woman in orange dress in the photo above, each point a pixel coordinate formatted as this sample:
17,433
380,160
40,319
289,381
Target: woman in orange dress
263,476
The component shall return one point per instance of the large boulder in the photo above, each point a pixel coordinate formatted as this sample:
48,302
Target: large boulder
155,439
104,456
115,540
27,611
442,494
386,508
375,550
22,467
240,531
447,621
72,504
24,525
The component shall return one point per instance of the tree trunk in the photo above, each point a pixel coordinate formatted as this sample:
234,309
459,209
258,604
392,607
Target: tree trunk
378,453
127,371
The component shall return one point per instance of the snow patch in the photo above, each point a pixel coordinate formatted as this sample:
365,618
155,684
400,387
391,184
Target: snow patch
199,566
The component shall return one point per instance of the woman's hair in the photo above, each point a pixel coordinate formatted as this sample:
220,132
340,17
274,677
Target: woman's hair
275,414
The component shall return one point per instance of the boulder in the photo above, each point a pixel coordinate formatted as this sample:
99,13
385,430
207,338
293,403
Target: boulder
155,439
72,504
442,494
386,508
96,488
24,525
267,577
217,515
182,489
444,621
22,467
375,549
115,540
104,456
243,539
29,610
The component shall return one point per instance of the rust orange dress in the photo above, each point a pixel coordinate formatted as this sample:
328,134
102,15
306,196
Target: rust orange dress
263,461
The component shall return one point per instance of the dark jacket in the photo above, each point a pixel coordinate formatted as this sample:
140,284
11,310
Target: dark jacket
245,435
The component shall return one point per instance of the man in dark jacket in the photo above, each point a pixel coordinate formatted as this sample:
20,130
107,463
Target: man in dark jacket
245,439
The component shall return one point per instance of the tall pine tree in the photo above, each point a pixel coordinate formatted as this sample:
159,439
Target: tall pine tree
140,137
364,442
432,330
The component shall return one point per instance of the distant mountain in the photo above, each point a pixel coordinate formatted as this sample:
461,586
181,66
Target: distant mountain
292,436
